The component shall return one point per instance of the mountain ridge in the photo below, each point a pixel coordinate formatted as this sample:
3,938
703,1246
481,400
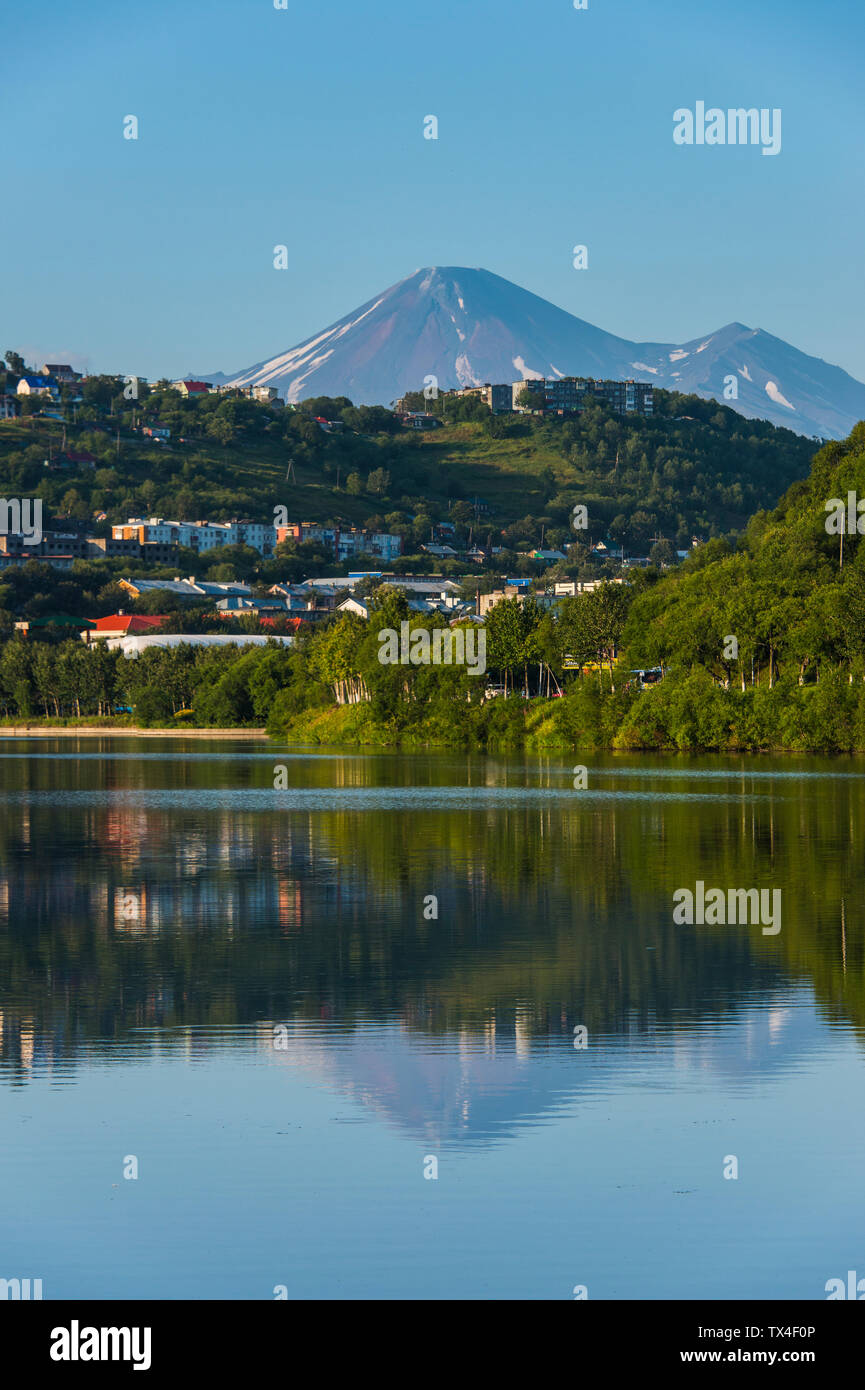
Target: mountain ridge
466,326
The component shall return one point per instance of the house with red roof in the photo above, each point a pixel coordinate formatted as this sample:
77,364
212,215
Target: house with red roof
72,458
193,388
124,625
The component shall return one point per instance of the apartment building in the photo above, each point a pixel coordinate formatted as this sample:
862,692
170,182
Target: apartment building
198,535
343,543
498,397
568,394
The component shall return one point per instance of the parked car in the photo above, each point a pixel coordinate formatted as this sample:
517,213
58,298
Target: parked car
642,678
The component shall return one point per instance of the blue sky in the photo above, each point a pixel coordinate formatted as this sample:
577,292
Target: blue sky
305,127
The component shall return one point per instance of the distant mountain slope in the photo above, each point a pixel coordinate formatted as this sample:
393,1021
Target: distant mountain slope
466,327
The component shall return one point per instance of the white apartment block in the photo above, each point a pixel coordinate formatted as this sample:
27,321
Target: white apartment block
198,535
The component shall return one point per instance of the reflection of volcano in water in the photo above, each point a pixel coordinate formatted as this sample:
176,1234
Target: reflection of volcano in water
146,901
480,1089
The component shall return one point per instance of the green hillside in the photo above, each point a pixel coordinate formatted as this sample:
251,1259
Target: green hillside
696,467
791,591
761,641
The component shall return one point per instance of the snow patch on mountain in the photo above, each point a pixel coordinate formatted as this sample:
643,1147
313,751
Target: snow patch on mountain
465,375
527,373
420,326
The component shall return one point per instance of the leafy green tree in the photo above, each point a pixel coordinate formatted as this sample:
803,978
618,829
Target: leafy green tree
378,481
663,553
531,398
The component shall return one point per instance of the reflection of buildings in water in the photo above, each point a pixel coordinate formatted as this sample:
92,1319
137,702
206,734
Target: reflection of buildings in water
210,902
145,872
290,904
522,1031
192,851
36,898
139,868
126,829
21,1046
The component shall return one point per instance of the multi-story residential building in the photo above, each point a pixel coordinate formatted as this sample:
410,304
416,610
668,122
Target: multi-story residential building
571,393
488,601
342,543
497,397
259,535
151,552
66,546
49,543
384,545
198,535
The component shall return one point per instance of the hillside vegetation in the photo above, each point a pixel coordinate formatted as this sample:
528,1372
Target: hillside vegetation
695,468
762,641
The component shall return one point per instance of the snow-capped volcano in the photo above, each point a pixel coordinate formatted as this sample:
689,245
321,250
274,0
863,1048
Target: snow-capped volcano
466,327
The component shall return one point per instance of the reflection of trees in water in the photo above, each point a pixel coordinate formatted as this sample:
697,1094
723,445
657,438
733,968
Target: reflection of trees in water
114,917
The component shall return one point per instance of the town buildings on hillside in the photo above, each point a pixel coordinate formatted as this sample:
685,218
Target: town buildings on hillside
568,395
343,542
197,535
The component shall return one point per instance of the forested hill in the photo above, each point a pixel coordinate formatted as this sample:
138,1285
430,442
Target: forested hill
791,591
695,468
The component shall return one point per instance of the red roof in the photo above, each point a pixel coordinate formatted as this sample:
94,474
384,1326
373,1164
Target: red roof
293,623
129,622
196,385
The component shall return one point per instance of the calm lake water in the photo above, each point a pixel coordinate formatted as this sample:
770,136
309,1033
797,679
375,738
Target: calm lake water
244,989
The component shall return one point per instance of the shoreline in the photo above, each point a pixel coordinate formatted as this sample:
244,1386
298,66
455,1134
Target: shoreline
302,736
128,731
